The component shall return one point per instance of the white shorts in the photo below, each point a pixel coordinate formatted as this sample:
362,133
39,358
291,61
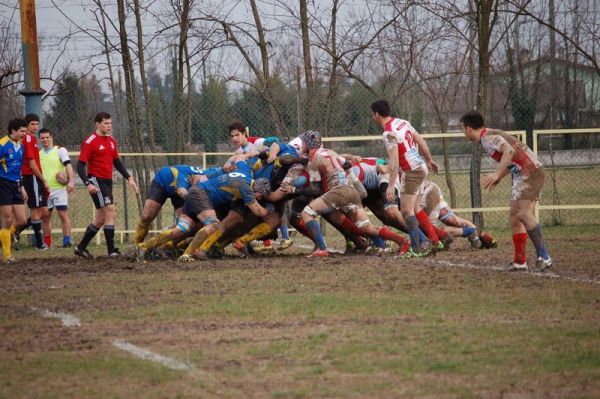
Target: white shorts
58,198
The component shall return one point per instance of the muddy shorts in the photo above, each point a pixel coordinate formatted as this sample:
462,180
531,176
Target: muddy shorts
412,180
528,187
196,202
344,198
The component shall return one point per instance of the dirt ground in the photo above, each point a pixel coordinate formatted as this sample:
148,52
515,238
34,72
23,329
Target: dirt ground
576,260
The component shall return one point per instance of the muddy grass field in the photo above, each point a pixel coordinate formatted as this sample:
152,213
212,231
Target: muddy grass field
454,325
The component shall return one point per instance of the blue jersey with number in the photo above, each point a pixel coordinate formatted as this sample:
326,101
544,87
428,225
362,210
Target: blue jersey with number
11,159
170,178
231,186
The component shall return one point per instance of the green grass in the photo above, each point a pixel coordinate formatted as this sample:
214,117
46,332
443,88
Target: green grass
285,327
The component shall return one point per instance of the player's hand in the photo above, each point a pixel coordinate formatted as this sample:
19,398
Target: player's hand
24,194
70,187
46,186
133,185
228,167
271,159
287,188
390,193
92,189
490,181
433,166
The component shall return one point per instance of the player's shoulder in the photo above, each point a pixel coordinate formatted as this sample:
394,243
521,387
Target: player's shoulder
90,139
4,140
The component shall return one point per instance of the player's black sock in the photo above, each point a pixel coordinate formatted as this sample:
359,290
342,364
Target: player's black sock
109,235
90,232
22,228
36,225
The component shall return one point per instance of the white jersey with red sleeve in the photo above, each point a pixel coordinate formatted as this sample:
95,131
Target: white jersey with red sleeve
399,132
523,161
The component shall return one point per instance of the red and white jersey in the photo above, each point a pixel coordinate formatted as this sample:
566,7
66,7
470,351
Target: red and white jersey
399,132
366,173
524,159
325,166
99,152
30,151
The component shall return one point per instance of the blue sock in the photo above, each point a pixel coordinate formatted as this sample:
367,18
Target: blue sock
378,242
537,238
467,231
413,231
285,234
315,230
66,240
422,237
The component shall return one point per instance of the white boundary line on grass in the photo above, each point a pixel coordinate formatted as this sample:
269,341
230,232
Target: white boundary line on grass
497,268
67,319
145,354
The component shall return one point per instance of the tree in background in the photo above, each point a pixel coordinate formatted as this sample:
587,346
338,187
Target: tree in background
75,101
211,116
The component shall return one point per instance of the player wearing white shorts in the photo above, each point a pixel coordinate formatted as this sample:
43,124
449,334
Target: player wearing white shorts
58,172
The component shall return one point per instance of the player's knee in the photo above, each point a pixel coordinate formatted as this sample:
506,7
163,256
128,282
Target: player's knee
308,211
183,224
210,220
363,224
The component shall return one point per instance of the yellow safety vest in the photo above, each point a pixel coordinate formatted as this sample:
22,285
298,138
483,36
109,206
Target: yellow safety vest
51,165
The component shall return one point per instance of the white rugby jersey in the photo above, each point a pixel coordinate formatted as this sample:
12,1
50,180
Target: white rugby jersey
399,132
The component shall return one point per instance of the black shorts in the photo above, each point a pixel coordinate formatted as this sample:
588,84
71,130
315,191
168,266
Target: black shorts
157,193
36,193
105,196
10,194
196,201
298,204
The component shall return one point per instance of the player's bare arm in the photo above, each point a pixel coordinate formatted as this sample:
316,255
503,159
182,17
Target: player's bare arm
491,180
393,171
424,151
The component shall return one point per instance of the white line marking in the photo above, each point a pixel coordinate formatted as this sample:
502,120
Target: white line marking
68,320
548,274
153,357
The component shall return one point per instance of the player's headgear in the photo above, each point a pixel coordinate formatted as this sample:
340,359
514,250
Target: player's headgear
262,186
311,139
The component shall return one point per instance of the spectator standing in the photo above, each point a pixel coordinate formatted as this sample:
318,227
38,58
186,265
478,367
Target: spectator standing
58,172
33,180
12,193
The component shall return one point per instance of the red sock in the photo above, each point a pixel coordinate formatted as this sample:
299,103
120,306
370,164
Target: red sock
386,234
520,242
267,243
427,227
48,240
350,226
441,233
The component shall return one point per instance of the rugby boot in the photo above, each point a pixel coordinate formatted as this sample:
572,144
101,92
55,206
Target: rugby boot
517,267
319,253
84,253
541,264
